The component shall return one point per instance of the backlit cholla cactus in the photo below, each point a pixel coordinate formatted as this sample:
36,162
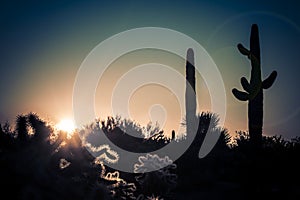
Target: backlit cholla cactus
254,89
151,162
118,187
156,175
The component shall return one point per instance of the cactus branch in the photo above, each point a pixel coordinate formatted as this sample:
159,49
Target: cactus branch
268,82
242,96
254,89
245,84
243,50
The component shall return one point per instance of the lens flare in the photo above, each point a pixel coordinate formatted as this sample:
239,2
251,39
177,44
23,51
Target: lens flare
66,125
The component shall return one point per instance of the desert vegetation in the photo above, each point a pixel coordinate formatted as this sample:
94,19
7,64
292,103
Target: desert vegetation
39,161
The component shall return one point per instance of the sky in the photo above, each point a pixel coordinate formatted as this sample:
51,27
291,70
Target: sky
43,44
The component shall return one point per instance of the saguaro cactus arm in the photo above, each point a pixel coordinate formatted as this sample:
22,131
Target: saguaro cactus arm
268,82
245,84
242,96
243,50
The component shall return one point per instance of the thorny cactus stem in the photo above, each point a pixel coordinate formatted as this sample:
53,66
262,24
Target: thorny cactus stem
190,92
254,89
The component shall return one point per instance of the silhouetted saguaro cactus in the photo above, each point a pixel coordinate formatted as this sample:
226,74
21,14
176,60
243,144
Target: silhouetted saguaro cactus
190,97
254,89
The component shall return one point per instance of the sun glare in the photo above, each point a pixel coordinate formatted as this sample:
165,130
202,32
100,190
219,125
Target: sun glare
66,125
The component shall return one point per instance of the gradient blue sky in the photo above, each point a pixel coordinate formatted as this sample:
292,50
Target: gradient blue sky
43,44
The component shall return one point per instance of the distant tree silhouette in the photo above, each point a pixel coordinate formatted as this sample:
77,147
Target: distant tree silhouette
254,89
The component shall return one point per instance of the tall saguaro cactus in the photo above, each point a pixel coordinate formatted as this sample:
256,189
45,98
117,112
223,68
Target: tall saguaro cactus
254,89
190,97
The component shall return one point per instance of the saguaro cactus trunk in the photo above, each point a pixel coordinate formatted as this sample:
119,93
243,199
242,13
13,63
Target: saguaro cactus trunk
190,97
254,89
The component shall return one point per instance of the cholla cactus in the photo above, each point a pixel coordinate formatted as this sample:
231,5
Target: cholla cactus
118,187
151,162
156,175
105,153
254,89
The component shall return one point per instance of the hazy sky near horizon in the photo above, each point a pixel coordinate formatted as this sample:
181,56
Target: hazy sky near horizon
44,43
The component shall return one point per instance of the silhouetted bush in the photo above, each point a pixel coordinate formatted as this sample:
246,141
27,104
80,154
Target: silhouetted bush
39,162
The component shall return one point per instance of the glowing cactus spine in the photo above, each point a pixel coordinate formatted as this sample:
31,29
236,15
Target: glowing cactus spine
254,89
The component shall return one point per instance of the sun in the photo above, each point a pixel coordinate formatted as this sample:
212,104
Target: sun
66,125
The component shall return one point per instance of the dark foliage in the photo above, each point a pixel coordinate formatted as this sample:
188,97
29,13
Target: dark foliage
48,165
44,164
